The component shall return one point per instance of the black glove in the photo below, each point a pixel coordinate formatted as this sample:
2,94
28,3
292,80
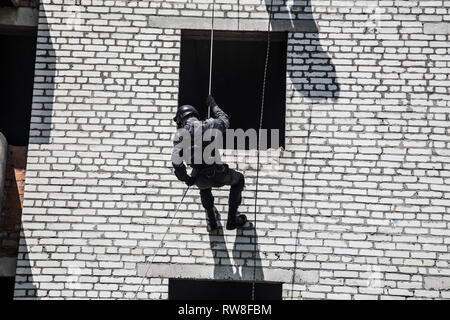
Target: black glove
210,102
181,174
190,181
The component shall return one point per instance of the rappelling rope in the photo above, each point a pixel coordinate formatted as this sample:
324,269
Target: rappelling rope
147,265
211,53
259,141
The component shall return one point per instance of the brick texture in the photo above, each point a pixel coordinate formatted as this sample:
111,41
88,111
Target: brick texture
29,3
361,198
10,217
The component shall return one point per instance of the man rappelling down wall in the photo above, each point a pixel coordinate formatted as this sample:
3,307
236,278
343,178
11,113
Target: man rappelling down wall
207,174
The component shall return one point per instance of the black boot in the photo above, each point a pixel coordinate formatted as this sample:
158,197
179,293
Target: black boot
238,220
211,220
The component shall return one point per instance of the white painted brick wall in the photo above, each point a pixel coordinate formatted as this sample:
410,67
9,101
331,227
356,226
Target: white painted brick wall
360,206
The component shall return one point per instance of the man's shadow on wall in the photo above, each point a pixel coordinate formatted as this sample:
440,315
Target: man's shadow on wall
310,68
246,257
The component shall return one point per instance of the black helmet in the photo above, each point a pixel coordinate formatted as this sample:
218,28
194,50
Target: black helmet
183,112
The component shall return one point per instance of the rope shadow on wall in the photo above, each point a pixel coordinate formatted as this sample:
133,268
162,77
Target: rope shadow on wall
313,75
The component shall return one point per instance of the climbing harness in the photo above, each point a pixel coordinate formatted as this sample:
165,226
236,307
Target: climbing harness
259,140
147,265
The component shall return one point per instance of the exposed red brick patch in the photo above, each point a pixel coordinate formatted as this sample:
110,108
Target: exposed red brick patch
29,3
10,217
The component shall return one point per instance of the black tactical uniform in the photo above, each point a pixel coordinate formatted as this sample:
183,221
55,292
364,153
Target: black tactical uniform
207,176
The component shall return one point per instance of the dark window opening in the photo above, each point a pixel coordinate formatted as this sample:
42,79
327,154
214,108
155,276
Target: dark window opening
6,3
237,80
181,289
6,288
17,59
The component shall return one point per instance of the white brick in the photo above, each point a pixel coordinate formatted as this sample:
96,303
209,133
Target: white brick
361,191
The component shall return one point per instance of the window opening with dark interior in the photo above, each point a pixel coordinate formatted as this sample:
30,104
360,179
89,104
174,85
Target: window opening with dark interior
237,79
